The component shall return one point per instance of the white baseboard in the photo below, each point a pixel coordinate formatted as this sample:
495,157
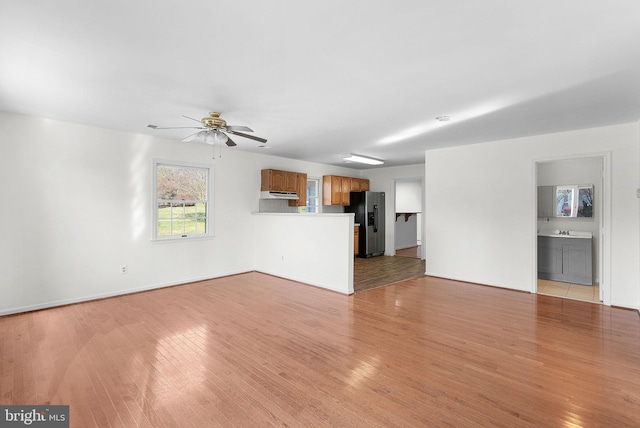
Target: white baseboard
305,281
475,281
56,303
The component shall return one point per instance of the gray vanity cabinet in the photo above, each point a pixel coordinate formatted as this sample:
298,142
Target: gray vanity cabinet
565,259
549,257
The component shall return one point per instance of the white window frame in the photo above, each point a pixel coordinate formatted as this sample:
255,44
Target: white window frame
318,197
209,202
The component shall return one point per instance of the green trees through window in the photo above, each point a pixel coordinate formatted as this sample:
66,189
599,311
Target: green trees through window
182,203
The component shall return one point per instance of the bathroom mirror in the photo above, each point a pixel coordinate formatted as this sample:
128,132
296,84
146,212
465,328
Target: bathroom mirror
573,201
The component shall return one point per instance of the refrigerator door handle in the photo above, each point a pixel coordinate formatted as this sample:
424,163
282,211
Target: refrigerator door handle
375,218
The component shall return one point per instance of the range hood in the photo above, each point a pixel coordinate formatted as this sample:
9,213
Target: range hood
266,194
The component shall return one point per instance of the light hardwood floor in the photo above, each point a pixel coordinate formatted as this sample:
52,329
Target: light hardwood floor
255,350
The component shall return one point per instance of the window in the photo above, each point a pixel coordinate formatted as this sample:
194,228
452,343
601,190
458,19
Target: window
181,199
574,201
313,195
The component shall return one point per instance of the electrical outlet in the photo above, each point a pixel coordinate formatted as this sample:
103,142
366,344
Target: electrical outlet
123,269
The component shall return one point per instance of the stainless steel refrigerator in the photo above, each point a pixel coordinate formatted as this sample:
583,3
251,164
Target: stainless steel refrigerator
368,208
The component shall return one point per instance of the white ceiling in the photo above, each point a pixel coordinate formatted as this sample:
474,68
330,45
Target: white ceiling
321,79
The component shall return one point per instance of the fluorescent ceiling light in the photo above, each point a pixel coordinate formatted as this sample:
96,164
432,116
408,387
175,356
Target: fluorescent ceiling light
363,159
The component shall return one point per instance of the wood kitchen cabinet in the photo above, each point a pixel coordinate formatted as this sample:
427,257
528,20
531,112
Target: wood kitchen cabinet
301,190
275,180
332,190
291,182
356,236
345,191
336,189
279,181
359,184
565,259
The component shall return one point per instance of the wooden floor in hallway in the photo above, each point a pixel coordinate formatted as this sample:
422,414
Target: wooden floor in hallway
384,270
415,252
253,350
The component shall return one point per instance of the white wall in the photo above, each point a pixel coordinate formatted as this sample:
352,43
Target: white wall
316,249
409,196
384,180
406,231
77,206
480,220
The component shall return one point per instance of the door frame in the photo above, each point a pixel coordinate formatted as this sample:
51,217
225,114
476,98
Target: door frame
422,207
604,226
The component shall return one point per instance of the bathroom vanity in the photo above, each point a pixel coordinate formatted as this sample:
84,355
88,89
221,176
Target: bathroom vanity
565,256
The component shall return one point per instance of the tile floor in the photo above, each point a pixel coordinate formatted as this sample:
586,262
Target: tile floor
572,291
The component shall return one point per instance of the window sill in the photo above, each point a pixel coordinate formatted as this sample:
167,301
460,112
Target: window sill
186,239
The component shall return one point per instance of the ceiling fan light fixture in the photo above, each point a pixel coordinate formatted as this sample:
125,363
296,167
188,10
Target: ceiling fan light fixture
363,159
219,137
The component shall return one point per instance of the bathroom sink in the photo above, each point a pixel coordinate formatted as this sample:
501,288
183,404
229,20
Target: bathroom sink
578,234
566,234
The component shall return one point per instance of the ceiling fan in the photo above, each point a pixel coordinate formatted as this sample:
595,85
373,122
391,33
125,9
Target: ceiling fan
214,130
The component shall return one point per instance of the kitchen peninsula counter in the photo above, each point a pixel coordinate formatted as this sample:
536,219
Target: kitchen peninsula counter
313,248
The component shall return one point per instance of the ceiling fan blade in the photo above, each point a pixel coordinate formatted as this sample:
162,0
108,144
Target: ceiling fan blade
191,118
174,127
239,128
251,137
194,136
230,142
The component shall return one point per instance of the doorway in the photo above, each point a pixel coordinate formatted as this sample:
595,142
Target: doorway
407,262
408,209
570,243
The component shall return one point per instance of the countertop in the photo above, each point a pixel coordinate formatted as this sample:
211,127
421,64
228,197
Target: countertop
566,234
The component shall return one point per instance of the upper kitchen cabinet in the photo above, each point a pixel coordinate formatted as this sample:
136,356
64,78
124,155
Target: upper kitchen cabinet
336,189
332,190
364,185
301,190
359,184
274,180
286,182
